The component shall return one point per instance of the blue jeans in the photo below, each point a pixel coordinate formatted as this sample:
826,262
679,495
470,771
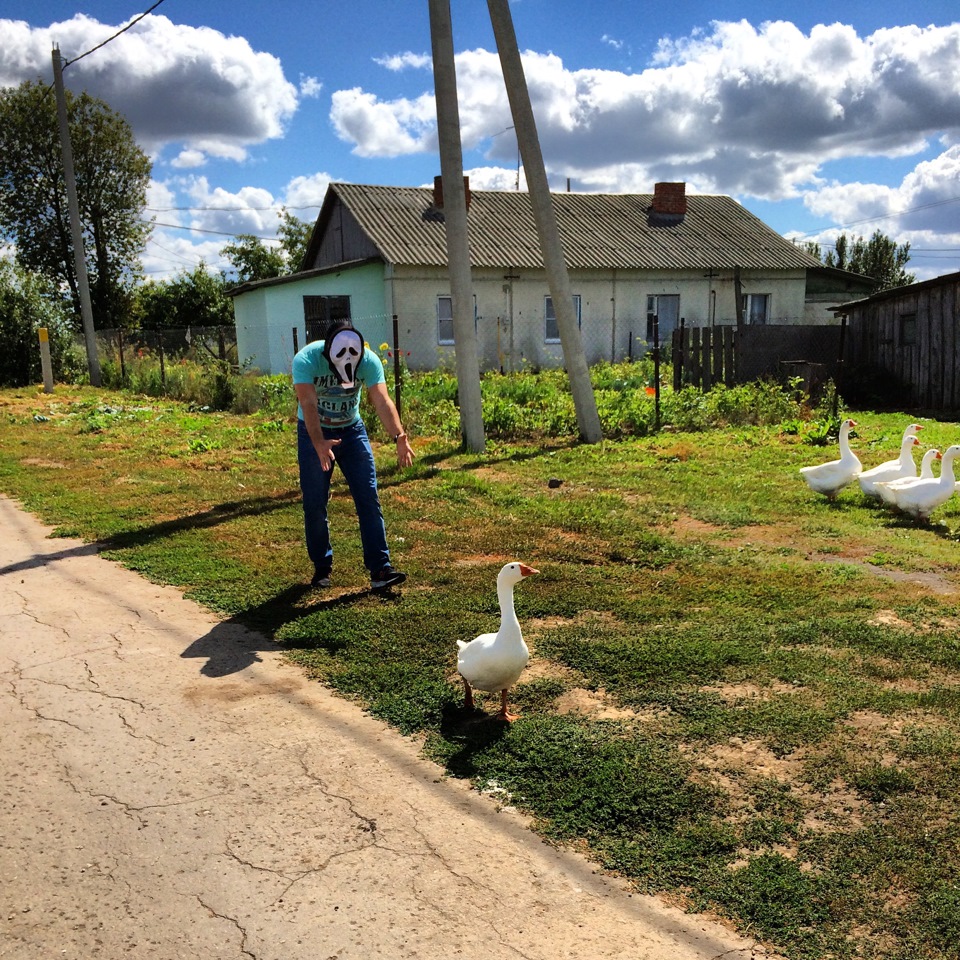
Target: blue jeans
354,456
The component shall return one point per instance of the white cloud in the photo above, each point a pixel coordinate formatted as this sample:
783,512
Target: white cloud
739,109
310,86
612,42
405,61
189,158
175,84
304,195
494,178
384,128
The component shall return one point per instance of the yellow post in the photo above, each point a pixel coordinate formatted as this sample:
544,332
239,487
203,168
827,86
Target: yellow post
45,364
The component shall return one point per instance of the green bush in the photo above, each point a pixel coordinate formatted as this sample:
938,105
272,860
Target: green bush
27,303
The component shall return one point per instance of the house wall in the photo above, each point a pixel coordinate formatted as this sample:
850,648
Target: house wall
509,311
266,316
510,308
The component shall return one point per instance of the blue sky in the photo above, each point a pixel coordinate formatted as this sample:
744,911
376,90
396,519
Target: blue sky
818,117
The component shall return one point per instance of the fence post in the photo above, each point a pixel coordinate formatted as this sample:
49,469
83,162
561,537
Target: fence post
163,368
396,366
123,363
45,365
706,354
221,345
656,373
731,355
836,383
678,355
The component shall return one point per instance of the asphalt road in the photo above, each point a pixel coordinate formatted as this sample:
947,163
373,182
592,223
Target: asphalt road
171,788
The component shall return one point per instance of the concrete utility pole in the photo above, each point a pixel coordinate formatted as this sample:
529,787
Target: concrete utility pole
455,218
76,231
588,420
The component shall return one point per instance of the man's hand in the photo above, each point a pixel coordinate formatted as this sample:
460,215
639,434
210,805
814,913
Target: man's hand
324,450
404,451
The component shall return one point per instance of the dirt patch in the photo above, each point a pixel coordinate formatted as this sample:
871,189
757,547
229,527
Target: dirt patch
596,705
933,582
750,691
735,767
41,462
888,618
479,560
230,692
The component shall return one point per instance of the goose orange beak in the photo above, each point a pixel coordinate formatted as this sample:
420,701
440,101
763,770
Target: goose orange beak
527,571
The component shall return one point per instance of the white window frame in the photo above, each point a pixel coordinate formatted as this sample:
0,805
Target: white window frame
550,317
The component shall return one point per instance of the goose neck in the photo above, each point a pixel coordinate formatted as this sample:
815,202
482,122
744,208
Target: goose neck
505,596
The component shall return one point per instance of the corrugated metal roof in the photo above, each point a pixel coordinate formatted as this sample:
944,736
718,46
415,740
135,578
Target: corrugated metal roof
598,231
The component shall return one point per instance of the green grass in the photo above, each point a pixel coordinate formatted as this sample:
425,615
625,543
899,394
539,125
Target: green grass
741,696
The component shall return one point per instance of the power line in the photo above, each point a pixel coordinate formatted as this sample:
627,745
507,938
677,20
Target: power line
114,37
885,216
218,233
276,206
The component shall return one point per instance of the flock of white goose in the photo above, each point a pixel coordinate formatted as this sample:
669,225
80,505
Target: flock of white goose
895,482
493,662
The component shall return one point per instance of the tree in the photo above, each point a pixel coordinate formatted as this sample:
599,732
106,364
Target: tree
191,299
294,235
112,175
28,302
879,257
252,259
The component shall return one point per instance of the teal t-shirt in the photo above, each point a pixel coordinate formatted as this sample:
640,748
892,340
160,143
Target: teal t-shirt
337,407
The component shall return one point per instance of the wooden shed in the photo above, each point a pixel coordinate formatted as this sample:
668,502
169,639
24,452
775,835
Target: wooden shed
906,339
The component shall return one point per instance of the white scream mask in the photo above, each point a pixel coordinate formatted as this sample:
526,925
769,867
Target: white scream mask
344,351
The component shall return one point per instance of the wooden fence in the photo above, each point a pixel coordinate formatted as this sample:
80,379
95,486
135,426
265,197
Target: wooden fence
705,357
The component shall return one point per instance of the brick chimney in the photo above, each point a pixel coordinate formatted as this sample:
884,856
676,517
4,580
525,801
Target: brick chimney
438,192
670,199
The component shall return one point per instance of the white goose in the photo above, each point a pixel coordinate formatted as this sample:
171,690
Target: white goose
830,478
920,499
889,488
903,466
494,661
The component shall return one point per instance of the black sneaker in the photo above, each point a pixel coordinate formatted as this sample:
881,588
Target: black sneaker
387,577
320,580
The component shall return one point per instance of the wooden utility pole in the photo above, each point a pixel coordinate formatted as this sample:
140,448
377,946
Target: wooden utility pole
455,220
76,230
588,420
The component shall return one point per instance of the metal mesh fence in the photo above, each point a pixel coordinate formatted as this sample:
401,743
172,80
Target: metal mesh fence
118,349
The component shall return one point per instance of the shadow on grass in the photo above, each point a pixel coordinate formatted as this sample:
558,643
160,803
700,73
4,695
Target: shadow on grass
235,644
471,732
432,464
215,515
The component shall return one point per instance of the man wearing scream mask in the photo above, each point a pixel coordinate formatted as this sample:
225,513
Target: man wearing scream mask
327,377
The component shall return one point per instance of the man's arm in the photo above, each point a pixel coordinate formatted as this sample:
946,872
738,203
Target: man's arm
307,395
387,412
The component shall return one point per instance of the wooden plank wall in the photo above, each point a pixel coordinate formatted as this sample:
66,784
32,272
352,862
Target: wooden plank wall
927,370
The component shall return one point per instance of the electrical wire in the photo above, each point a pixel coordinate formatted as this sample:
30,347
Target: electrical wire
135,20
885,216
218,233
